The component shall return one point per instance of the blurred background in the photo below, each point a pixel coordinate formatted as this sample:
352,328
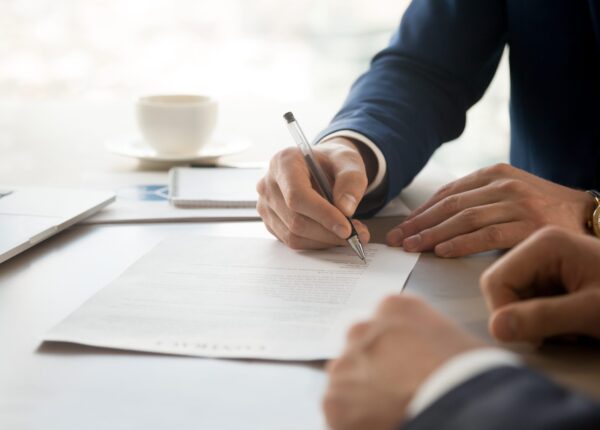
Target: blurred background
244,52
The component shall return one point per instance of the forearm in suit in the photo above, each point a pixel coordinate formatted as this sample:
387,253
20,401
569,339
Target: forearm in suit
416,92
509,398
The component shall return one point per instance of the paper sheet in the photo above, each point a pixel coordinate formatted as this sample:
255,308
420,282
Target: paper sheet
238,297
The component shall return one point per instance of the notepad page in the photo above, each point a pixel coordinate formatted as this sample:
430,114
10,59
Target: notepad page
213,187
238,297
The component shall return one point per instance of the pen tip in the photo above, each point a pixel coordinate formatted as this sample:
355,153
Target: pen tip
289,117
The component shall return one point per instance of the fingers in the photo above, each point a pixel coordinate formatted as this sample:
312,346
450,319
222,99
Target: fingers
278,228
442,210
497,236
536,259
362,335
392,308
491,196
469,182
296,213
537,319
399,305
550,257
295,187
466,221
471,206
350,180
473,181
299,224
358,331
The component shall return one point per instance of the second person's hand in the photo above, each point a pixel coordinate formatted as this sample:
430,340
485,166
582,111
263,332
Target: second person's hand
295,212
547,286
494,208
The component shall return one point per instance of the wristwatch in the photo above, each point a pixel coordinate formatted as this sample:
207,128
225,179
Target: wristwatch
594,222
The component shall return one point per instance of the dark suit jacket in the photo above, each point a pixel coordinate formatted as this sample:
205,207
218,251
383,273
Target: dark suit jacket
442,58
509,398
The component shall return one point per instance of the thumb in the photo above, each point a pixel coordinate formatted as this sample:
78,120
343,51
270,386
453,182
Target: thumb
534,320
349,181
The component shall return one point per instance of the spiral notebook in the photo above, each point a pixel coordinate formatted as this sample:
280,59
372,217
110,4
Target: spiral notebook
213,187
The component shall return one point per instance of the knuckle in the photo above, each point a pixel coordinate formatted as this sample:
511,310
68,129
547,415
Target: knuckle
494,234
265,188
294,200
486,281
280,158
444,190
260,208
283,160
286,155
490,285
470,217
512,186
342,364
399,304
427,236
261,186
297,224
271,184
391,303
450,204
410,301
497,170
358,330
331,365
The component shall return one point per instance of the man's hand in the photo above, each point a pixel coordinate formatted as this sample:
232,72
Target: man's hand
296,213
547,286
493,208
386,360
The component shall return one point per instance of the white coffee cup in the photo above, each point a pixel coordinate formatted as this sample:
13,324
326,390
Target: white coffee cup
176,124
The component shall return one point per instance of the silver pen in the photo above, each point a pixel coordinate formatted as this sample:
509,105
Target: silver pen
319,177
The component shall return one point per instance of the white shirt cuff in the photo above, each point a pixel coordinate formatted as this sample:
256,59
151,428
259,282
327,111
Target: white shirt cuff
456,371
381,164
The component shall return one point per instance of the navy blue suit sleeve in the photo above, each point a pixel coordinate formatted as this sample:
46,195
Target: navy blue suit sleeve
509,398
415,95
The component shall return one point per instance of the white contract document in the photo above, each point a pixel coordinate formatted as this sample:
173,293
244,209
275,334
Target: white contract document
238,297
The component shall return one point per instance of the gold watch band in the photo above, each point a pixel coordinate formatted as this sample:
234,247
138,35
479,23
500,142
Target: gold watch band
593,222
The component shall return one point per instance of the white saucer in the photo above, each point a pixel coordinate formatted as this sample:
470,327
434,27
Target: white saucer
136,147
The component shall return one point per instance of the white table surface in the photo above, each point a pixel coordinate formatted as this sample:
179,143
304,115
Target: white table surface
60,386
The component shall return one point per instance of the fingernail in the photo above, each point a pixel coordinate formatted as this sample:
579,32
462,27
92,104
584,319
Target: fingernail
396,236
412,243
444,249
340,231
505,326
348,204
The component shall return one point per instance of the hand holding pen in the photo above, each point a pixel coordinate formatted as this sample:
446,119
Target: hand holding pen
320,178
297,213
